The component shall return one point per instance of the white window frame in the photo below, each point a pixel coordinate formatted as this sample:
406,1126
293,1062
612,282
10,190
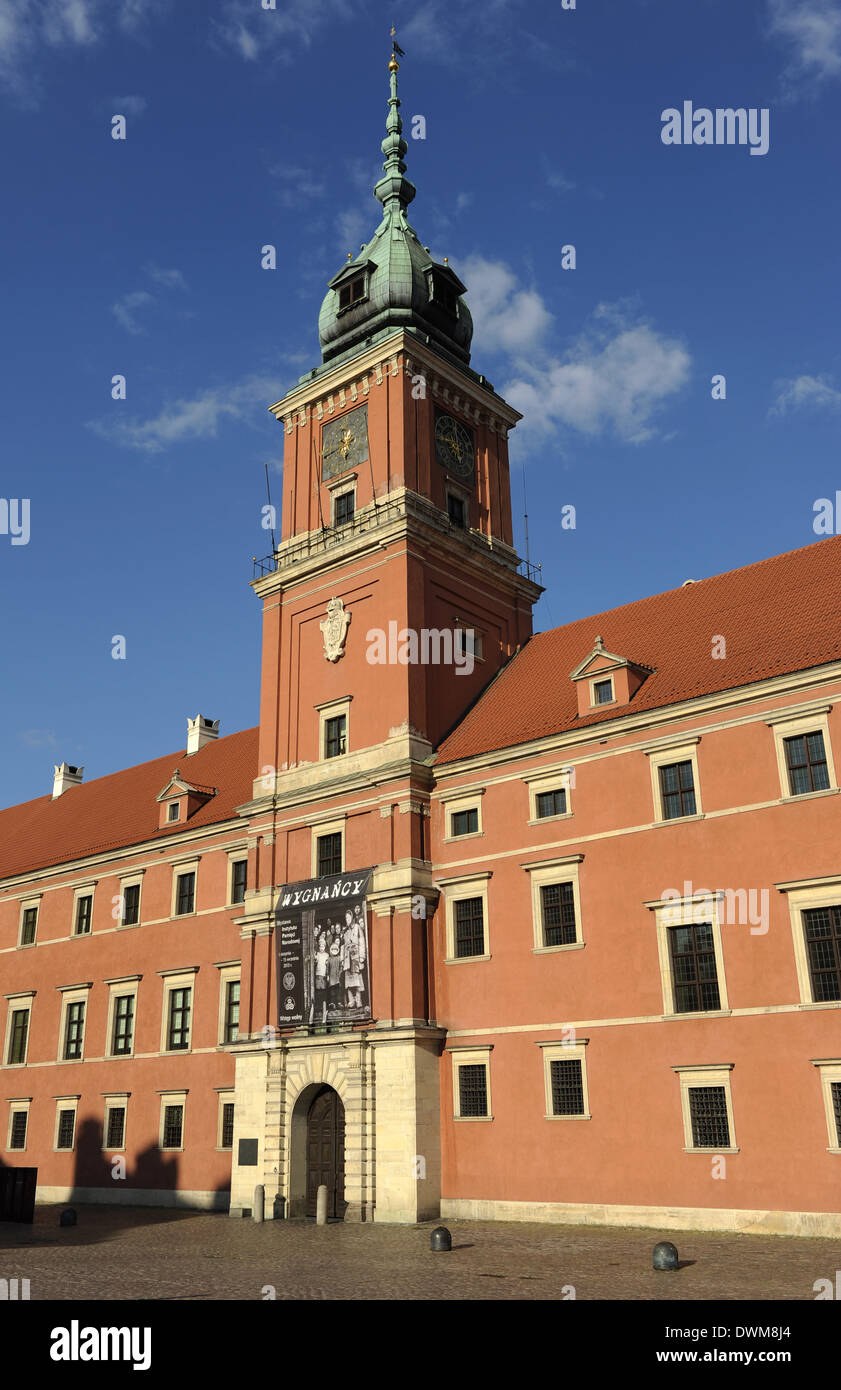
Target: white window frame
228,974
349,487
561,778
455,890
682,912
809,893
695,1076
130,881
829,1071
85,890
72,994
127,984
16,1107
115,1100
785,725
34,900
177,979
328,827
66,1103
472,1056
452,803
181,867
565,1051
226,1097
332,710
599,679
663,755
543,873
17,1002
172,1098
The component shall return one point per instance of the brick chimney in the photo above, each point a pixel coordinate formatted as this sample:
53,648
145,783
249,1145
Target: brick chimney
201,731
65,776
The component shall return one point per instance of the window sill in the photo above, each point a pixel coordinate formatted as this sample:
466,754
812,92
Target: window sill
809,796
12,1066
25,945
710,1151
567,946
464,960
547,820
457,839
567,1117
698,1013
821,1004
223,1149
834,1151
679,820
127,926
472,1119
178,916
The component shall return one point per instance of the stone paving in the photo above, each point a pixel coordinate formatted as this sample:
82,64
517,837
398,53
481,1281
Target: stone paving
138,1253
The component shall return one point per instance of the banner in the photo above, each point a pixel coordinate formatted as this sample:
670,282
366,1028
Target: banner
322,950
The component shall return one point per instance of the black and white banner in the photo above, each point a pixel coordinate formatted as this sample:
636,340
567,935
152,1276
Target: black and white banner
322,950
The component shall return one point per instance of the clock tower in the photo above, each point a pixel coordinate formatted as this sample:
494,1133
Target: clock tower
392,599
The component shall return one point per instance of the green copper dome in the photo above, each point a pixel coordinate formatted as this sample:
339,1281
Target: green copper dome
394,282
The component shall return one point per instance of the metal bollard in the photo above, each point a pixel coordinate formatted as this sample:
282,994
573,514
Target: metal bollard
321,1206
440,1239
258,1210
665,1255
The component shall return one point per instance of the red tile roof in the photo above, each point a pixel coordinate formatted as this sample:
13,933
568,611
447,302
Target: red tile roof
112,812
778,616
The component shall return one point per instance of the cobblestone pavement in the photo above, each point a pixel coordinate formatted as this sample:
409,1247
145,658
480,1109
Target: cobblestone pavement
136,1253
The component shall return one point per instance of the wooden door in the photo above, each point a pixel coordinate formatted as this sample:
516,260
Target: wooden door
326,1152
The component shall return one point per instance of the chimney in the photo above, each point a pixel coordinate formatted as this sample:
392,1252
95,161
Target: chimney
65,776
201,731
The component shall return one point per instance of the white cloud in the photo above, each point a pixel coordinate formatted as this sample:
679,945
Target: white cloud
38,738
505,316
169,279
29,27
299,184
555,179
125,308
253,32
812,31
195,418
129,106
805,391
614,380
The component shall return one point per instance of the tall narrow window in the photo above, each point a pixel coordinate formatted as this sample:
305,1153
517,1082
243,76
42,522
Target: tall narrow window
66,1129
694,969
343,504
178,1033
567,1087
131,905
116,1127
227,1125
835,1093
17,1136
84,911
239,879
806,763
335,736
173,1127
677,789
473,1089
469,927
455,511
28,926
822,926
74,1028
708,1115
557,908
231,1011
185,894
17,1036
329,858
123,1036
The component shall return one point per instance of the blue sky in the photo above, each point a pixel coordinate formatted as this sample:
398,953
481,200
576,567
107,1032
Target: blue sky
248,126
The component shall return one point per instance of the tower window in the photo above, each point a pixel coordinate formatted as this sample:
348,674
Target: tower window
343,508
455,511
335,736
352,292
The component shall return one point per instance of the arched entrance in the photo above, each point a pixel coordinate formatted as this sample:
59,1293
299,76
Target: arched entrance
325,1152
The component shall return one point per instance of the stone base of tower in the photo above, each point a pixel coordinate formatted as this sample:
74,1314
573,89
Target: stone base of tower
387,1083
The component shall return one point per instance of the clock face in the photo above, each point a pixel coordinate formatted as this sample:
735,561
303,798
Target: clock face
455,449
344,442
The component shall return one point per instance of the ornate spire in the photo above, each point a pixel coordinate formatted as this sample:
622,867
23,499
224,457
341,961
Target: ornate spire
393,189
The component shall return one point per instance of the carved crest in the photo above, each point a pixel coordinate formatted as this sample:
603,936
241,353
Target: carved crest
334,628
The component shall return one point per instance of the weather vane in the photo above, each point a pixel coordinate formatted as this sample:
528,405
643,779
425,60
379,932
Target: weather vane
395,47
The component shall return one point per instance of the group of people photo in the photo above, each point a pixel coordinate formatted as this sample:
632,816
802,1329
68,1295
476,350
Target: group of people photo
340,957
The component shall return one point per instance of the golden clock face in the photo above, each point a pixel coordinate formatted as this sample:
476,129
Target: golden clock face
344,442
455,448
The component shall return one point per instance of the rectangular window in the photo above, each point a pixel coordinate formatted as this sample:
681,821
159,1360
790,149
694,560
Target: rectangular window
835,1095
17,1036
822,926
567,1087
66,1129
227,1125
806,763
17,1136
173,1127
335,736
455,510
351,293
708,1115
239,879
464,822
173,811
473,1089
552,803
603,692
185,893
116,1127
29,926
329,855
677,789
131,905
343,508
693,969
74,1028
123,1037
231,1011
469,927
84,911
557,910
178,1032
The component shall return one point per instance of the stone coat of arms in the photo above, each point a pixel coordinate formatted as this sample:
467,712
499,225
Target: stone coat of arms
334,629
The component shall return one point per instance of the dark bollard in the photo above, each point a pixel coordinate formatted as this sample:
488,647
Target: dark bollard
67,1218
665,1255
440,1239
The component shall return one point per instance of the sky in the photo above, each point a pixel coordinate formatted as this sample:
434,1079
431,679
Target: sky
247,125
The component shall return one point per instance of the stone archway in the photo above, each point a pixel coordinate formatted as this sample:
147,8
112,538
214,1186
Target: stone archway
317,1151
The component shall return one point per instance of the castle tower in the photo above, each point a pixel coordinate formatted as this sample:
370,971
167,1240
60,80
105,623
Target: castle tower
392,599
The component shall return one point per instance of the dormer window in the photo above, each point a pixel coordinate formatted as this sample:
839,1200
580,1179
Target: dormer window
443,294
352,292
602,692
606,678
174,811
